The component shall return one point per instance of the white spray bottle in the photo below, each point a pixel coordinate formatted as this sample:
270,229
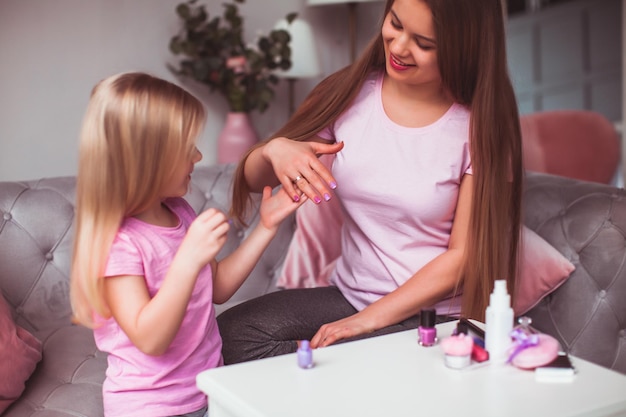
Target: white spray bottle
498,324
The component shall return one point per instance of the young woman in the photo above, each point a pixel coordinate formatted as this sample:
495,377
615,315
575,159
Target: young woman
144,273
428,172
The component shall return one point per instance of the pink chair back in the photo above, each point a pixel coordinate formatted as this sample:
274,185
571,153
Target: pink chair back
571,143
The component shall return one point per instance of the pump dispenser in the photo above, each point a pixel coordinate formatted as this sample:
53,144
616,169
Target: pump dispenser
498,323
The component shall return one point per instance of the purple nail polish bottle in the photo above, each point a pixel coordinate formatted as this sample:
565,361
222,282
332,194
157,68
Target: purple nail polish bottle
305,355
427,332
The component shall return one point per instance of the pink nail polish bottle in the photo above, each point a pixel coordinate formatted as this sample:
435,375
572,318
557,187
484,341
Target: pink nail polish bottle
427,333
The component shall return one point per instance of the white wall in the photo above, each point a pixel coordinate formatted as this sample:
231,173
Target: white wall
52,52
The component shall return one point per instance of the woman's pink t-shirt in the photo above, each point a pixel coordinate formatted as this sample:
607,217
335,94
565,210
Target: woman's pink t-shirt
139,384
398,188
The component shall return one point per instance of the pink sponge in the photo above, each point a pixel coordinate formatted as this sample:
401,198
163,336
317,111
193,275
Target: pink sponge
540,354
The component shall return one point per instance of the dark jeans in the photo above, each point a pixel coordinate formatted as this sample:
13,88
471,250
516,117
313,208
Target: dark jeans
271,324
203,412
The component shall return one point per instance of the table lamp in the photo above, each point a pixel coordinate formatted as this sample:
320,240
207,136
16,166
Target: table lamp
304,61
352,4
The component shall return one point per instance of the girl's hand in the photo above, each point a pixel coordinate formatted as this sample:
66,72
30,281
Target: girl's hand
205,237
341,329
275,208
298,168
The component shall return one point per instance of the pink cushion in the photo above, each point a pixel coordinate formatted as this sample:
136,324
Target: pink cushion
543,269
316,245
20,352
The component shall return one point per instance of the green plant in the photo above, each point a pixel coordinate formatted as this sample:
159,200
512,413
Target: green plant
216,54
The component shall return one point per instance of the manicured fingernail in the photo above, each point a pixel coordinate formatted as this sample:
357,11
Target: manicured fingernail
296,198
326,196
333,185
317,200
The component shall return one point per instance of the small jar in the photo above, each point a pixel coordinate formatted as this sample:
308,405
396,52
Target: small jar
458,350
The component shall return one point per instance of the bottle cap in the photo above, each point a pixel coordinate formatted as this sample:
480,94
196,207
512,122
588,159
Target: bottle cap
428,317
461,328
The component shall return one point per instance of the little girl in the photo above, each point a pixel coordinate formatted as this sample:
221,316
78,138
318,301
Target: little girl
144,274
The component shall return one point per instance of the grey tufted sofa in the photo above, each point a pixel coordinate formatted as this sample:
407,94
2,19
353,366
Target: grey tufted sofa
585,221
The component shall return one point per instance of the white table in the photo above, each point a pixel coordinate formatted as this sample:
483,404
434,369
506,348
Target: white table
389,376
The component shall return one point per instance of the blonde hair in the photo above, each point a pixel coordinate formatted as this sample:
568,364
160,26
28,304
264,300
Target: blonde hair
136,129
471,52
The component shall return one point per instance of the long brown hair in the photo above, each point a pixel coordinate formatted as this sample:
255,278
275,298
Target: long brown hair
472,61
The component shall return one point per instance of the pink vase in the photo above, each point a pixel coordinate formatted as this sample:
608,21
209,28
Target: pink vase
237,136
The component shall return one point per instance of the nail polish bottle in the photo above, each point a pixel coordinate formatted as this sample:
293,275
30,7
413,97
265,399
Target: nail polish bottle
427,332
305,355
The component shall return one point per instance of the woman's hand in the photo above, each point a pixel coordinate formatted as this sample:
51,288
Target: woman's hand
275,208
350,326
298,168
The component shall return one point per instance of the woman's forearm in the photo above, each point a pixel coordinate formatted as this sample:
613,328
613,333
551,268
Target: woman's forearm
430,285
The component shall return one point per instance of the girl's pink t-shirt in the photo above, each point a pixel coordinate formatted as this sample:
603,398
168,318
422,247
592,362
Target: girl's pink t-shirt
139,384
398,188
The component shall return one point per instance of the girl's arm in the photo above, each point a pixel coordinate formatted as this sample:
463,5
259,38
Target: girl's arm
233,270
152,323
429,285
281,160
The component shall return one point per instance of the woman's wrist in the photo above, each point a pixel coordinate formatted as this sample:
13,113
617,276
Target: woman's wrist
270,149
266,151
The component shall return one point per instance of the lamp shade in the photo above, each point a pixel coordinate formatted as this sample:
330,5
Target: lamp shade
323,2
304,61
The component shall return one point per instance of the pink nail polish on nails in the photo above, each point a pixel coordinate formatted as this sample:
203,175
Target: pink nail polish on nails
333,185
326,196
317,200
296,198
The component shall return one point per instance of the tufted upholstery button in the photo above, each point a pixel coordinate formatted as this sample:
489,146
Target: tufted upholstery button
240,234
208,196
49,256
586,224
7,216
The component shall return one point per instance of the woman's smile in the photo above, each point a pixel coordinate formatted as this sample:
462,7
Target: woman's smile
397,64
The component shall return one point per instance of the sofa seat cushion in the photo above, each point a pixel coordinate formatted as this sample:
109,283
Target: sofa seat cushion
68,380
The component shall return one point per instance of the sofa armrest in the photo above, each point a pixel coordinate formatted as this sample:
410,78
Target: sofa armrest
586,222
